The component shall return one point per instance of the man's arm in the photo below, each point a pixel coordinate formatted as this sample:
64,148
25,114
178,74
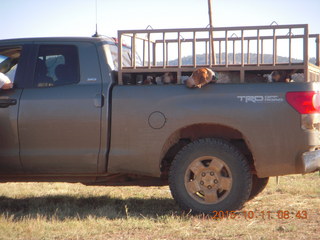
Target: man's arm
5,82
7,86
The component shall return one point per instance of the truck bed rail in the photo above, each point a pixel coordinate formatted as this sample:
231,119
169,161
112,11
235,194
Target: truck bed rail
237,49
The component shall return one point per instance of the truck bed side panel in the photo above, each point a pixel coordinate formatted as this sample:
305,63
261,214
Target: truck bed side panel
144,117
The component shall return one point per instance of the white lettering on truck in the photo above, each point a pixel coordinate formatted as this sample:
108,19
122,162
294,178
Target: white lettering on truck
260,99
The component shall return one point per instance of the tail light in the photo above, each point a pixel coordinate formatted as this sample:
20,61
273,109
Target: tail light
308,105
304,102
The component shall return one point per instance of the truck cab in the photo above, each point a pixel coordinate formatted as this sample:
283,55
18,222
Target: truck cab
56,81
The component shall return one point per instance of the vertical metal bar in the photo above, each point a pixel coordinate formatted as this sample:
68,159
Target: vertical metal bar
120,58
143,52
318,50
306,53
220,53
167,54
210,47
213,51
258,47
274,47
248,52
234,52
164,51
262,56
290,60
213,55
179,50
206,52
276,51
242,48
133,51
179,77
226,49
242,75
154,55
149,52
194,54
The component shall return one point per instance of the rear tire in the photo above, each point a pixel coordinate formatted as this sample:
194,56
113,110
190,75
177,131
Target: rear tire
210,175
258,185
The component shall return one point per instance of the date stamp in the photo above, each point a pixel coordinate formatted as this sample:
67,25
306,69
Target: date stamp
263,215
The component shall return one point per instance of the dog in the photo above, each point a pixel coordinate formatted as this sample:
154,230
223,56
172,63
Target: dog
149,80
280,76
200,77
166,78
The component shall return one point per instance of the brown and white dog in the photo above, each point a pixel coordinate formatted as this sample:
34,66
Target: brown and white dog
281,76
200,77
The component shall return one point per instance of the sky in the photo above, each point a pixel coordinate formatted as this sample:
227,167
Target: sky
47,18
42,18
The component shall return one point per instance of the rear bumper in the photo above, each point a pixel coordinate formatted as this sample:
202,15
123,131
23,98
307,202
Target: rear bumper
311,161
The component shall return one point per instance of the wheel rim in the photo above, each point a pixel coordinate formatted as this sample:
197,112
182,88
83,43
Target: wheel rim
208,180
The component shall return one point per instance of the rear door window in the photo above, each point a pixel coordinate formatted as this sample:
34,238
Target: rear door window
57,65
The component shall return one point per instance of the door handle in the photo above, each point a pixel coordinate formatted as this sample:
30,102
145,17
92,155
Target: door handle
4,103
99,101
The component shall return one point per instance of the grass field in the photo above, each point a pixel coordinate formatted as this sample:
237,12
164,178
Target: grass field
75,211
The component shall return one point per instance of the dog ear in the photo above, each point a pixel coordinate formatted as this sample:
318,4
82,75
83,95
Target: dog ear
202,75
196,77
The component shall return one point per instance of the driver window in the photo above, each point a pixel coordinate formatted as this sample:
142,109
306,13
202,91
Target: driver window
9,58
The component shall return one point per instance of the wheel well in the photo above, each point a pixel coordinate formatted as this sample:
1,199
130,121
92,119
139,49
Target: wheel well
185,135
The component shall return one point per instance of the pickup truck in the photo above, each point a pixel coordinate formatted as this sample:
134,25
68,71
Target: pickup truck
71,118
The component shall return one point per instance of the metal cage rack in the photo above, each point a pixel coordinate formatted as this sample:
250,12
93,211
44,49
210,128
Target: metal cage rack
237,49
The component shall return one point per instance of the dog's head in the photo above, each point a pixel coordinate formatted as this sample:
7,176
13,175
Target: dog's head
281,76
275,76
167,78
148,80
200,77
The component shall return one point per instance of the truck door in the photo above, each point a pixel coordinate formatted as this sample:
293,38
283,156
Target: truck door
59,116
13,64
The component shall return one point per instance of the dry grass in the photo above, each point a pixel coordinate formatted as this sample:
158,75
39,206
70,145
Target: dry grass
74,211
